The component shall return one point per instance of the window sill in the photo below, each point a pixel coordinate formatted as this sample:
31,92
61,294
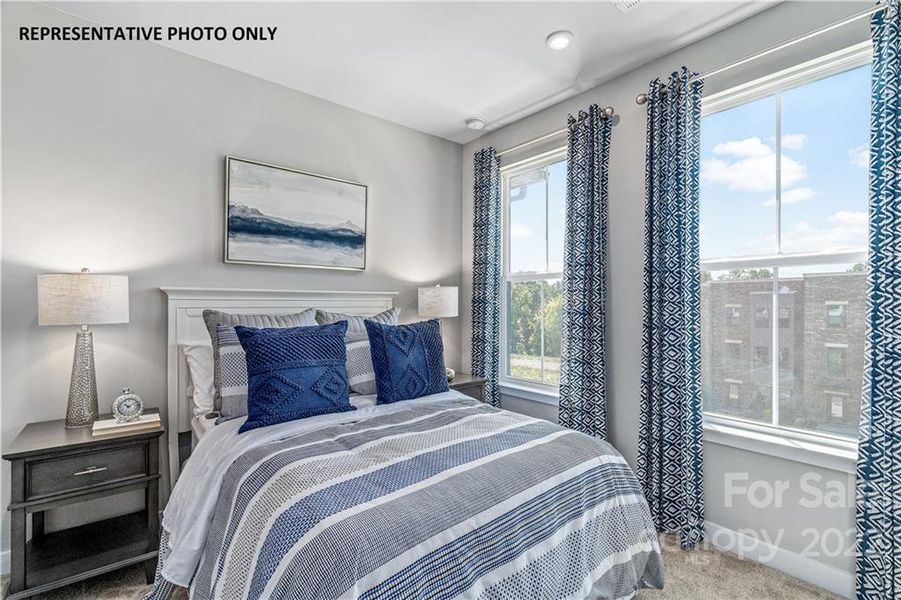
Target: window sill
535,393
828,453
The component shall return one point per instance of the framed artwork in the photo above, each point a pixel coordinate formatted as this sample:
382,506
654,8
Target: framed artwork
285,217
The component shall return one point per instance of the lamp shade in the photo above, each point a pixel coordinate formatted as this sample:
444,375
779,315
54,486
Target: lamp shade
438,301
82,299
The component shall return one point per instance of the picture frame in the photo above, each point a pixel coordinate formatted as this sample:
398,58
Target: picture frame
285,217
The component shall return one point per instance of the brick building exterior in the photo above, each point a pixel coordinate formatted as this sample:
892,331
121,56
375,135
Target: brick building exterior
820,320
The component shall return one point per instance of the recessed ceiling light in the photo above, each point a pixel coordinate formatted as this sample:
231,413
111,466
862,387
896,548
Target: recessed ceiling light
559,39
475,124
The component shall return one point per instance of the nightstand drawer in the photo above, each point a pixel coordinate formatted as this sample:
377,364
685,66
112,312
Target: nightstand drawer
74,472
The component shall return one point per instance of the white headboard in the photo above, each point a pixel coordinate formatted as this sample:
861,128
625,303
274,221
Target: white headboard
185,315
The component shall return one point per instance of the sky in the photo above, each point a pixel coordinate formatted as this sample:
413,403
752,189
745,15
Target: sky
528,250
825,132
825,135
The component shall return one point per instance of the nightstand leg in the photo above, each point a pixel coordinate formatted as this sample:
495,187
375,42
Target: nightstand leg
17,551
152,503
17,528
150,570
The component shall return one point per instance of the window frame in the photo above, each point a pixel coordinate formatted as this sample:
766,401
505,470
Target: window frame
733,314
840,350
844,314
517,386
820,448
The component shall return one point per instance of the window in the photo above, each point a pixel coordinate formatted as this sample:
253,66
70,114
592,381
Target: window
733,349
836,361
534,204
733,314
835,404
785,317
785,357
784,231
835,314
761,355
762,317
837,407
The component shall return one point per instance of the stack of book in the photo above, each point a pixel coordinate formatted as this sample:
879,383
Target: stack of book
112,426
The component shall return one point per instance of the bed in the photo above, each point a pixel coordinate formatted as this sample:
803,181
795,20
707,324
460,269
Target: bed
437,497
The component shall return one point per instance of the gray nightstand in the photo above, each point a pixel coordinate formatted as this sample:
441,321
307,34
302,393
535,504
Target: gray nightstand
470,385
53,466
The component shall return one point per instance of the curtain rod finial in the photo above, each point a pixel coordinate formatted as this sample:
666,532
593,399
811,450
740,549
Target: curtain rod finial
641,99
609,112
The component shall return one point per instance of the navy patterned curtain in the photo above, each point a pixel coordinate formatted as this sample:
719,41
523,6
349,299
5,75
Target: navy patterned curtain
670,445
486,269
879,453
582,376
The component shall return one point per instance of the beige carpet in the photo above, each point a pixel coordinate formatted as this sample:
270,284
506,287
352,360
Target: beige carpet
707,574
698,575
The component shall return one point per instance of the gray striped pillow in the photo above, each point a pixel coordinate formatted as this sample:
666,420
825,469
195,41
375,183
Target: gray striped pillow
356,330
360,374
214,318
232,374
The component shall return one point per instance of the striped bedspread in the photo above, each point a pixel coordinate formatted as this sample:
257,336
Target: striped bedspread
442,497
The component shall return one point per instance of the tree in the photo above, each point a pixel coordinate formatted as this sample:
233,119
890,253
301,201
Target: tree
524,318
553,318
746,274
525,315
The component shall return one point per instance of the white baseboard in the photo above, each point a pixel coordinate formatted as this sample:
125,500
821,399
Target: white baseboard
807,569
4,562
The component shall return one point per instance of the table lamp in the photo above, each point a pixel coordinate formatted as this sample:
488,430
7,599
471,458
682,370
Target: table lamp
82,299
439,302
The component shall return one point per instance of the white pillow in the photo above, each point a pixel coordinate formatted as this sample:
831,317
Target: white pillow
200,366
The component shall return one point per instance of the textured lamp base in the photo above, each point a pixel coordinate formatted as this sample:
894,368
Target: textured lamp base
82,409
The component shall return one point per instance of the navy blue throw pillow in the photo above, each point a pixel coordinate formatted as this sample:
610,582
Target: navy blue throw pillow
408,360
294,373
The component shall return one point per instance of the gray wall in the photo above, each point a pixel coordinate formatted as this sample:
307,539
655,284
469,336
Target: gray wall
113,159
626,214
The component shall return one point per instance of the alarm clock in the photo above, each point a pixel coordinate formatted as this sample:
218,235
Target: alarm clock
128,407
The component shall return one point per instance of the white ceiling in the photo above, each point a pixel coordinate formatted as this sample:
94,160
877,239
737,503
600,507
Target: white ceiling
430,66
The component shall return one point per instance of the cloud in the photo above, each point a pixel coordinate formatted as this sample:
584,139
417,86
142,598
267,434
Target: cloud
801,194
520,230
847,230
794,141
749,165
746,148
847,218
752,174
860,156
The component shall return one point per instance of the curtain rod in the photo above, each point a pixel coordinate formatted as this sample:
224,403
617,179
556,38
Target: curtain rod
607,113
643,98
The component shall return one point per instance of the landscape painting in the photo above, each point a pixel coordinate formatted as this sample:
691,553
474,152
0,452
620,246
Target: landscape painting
279,216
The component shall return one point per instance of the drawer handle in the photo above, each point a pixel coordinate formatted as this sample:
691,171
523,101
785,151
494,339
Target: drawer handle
91,470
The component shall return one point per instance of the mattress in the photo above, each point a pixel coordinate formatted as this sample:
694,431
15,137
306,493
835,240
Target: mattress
438,497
